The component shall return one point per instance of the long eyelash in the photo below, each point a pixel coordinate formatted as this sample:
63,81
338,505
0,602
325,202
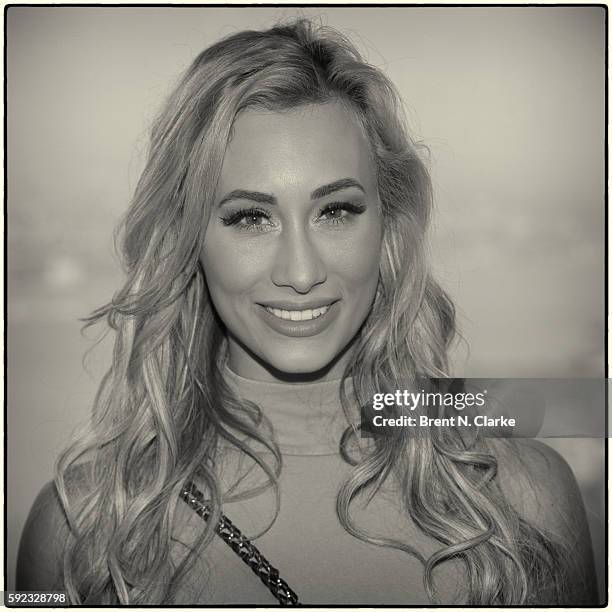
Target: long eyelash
348,206
233,218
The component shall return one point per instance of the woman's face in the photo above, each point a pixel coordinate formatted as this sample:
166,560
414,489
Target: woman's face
292,249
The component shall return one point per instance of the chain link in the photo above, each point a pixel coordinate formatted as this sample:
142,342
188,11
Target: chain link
249,553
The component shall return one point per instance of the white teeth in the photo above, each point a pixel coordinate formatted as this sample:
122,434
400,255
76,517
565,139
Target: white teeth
298,315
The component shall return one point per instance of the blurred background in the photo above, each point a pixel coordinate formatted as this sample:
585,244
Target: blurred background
509,101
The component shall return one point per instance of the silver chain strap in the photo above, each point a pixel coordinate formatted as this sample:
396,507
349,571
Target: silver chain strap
249,553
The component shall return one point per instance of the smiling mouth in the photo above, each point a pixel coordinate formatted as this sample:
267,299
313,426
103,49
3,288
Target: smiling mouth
298,315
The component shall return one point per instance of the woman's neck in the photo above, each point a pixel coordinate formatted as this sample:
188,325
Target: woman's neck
307,417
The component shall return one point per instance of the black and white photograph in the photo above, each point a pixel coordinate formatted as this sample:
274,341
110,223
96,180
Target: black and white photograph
305,305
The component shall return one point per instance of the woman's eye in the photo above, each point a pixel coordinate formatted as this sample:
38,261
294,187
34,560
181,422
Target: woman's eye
340,212
252,219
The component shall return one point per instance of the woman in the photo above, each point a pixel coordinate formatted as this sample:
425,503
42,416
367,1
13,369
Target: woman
276,280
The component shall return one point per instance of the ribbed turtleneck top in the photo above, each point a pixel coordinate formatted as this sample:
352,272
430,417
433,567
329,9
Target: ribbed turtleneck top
306,542
306,418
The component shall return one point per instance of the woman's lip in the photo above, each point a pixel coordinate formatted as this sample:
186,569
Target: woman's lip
300,329
310,305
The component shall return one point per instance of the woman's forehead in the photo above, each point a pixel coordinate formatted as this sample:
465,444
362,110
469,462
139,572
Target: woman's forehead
300,148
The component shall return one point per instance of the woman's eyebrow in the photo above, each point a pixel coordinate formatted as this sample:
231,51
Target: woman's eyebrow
266,198
242,194
345,183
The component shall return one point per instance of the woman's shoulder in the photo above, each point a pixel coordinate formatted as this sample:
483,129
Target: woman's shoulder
541,487
538,482
45,535
40,549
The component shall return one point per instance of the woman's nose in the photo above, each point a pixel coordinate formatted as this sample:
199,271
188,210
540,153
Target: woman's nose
298,263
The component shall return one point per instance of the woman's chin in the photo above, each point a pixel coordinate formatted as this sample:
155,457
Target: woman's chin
289,361
296,367
306,367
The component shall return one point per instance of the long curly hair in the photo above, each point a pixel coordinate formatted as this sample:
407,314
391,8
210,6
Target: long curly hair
163,406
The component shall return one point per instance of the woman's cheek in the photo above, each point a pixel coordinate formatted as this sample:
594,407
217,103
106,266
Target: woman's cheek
233,265
356,255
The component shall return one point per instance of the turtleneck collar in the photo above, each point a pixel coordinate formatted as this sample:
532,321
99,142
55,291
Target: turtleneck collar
307,418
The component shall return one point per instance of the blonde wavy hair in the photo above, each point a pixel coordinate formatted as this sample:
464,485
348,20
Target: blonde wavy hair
163,406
